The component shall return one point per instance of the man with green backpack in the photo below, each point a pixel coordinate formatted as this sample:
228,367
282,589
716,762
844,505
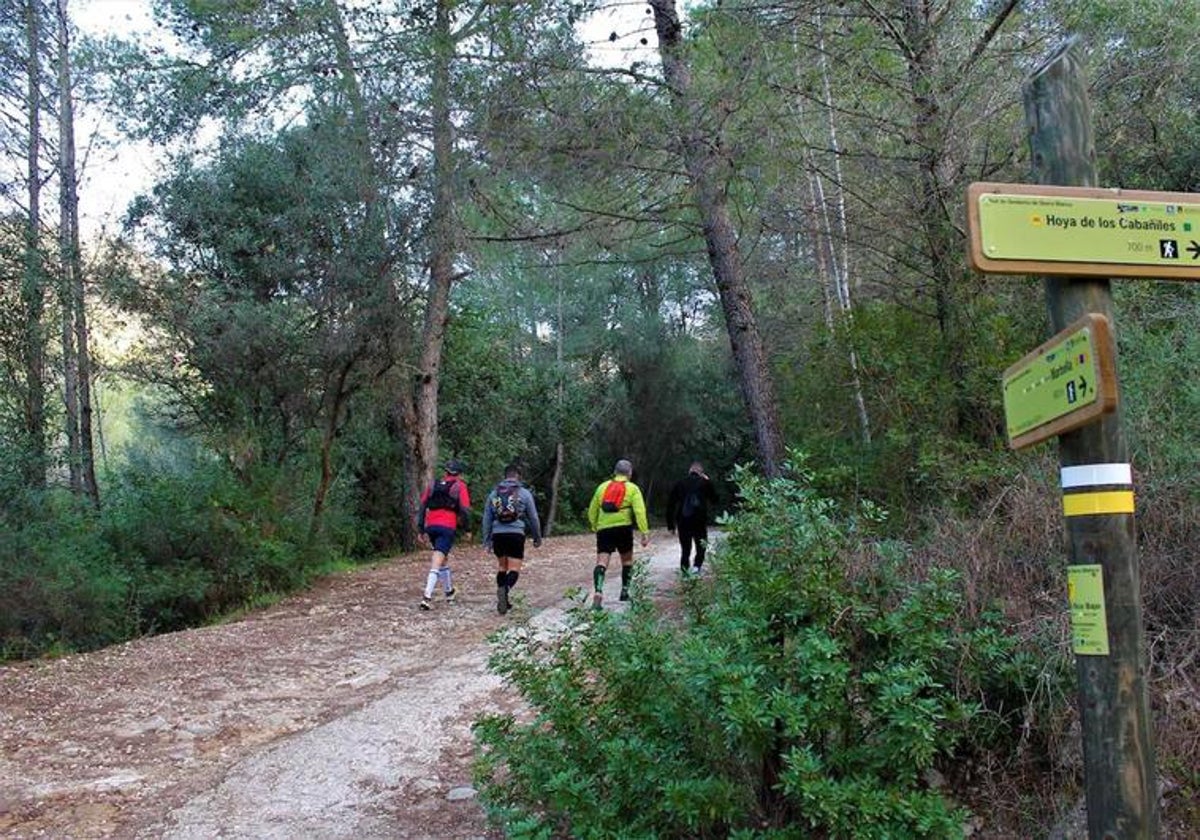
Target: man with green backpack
617,506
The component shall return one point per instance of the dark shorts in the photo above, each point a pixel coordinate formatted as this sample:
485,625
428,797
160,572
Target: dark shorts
618,539
511,546
442,538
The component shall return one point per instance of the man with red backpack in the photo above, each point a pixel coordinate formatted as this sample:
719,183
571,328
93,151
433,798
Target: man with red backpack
617,506
444,504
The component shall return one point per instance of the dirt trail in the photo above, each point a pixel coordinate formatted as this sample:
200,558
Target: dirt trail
342,712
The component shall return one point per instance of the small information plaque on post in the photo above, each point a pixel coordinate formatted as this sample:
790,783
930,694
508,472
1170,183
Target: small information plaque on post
1089,620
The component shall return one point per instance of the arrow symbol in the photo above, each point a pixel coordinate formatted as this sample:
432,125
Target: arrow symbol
1194,250
1083,385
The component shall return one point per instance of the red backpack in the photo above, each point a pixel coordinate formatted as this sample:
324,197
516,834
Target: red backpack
614,496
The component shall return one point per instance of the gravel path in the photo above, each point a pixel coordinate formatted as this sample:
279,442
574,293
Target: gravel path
343,712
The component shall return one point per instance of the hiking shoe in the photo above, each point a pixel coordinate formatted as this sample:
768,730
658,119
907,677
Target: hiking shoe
426,604
502,599
624,594
597,601
450,593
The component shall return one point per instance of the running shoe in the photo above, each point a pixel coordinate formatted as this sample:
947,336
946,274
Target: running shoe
426,604
450,593
597,601
502,599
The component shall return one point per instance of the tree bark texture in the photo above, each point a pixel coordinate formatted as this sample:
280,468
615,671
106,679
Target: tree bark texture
422,420
705,164
76,341
33,284
1118,746
943,245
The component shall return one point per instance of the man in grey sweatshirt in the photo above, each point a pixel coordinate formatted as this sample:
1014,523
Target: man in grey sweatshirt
508,515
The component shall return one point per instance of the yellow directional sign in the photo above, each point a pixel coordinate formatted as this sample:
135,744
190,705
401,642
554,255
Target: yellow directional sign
1067,382
1083,231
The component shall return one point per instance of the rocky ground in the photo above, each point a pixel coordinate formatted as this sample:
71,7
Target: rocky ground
343,712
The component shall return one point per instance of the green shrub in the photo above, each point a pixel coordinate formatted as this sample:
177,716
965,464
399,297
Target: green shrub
61,586
805,695
199,541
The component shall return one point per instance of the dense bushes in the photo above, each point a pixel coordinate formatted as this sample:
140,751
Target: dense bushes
176,544
807,694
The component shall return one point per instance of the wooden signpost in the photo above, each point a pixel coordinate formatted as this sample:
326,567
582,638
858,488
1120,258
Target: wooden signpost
1077,236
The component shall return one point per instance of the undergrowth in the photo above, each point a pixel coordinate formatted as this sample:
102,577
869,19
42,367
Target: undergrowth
805,694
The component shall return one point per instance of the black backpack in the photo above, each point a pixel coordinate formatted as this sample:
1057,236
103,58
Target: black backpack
441,496
506,503
691,504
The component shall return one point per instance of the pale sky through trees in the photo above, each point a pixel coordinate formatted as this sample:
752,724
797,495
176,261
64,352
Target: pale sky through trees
116,168
119,168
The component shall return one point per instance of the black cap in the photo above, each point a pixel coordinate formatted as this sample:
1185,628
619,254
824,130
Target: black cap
454,467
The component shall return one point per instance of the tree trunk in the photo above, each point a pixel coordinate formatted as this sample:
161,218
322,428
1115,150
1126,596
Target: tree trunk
840,256
358,332
560,452
33,285
943,250
559,447
704,165
423,434
1114,705
336,398
72,266
917,40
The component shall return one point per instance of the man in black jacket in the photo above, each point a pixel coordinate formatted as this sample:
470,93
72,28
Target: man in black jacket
687,514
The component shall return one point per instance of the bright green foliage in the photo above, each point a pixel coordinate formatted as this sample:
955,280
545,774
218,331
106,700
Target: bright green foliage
804,696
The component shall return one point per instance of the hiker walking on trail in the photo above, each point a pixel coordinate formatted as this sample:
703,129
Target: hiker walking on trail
444,504
687,515
508,515
617,506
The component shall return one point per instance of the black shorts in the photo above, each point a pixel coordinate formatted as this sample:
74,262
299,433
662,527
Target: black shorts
618,539
511,546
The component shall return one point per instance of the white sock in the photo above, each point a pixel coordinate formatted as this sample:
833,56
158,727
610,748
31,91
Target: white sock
446,584
431,582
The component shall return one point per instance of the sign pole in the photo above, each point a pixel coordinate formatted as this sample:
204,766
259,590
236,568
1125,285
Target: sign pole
1103,582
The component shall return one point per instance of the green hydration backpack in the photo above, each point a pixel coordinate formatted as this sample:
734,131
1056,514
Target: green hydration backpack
614,496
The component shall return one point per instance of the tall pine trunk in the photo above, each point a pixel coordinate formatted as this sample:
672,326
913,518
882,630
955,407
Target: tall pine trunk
422,424
560,448
705,170
76,352
836,230
33,283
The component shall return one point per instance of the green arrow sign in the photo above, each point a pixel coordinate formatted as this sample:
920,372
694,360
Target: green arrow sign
1065,383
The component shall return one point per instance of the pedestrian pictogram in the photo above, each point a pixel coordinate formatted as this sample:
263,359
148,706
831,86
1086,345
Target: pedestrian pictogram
1168,249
